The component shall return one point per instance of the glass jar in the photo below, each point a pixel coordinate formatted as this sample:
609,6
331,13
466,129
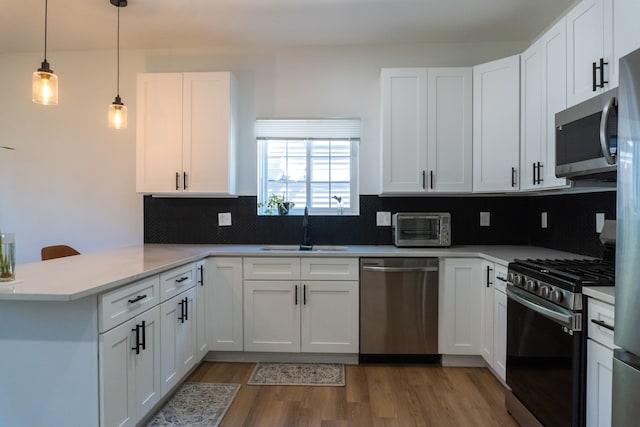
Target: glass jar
7,257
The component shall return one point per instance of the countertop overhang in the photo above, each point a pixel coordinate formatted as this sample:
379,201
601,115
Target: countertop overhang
80,276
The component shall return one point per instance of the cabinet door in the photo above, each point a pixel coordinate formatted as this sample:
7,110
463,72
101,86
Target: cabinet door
589,38
177,320
147,363
208,132
330,317
449,155
626,35
224,304
599,384
159,132
204,305
500,334
272,315
117,378
531,139
488,286
496,125
404,129
554,98
461,295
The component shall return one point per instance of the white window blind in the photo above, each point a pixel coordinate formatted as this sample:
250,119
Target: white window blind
311,162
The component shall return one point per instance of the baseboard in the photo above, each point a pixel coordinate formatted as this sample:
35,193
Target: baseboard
463,361
254,357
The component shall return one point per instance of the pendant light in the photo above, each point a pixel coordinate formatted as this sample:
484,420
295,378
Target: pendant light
44,84
117,110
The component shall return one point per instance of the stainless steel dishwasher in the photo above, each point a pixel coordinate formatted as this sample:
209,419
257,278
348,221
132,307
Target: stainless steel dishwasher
399,310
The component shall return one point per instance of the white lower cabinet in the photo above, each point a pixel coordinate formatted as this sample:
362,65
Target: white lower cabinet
488,272
202,286
316,313
460,317
599,363
130,369
178,340
500,323
223,276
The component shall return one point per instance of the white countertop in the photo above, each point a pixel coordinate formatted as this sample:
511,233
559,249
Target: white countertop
603,293
75,277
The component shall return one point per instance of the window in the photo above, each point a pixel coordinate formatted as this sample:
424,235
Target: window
311,162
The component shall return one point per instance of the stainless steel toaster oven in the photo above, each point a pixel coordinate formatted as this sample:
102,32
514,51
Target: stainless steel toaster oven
421,229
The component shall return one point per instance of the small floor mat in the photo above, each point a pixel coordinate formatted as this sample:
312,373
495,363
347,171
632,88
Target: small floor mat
196,405
314,374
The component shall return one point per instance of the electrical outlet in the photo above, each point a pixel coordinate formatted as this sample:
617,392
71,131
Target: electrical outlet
485,219
224,219
543,220
383,219
599,222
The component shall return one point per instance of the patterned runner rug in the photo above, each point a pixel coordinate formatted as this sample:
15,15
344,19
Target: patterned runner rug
196,405
321,374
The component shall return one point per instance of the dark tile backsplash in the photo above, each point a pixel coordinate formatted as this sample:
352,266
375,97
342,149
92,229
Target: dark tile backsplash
515,220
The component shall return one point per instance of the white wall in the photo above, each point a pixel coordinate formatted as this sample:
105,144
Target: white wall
71,179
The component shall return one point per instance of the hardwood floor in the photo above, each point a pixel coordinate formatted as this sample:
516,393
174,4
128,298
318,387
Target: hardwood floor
374,395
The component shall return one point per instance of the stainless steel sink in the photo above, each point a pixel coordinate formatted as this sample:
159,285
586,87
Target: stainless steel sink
296,248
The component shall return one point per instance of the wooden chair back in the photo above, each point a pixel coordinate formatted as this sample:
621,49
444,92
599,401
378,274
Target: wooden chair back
57,251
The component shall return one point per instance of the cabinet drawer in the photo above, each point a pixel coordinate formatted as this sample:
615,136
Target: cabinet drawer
329,268
500,278
602,313
122,304
177,280
271,268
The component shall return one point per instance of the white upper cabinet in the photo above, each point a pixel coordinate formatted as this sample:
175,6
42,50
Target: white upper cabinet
426,130
626,36
542,95
590,45
496,125
186,133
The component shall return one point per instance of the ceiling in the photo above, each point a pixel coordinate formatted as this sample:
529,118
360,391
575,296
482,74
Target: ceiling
153,24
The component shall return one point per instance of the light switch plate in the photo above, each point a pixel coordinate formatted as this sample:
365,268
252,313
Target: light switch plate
599,222
485,219
224,219
383,219
543,220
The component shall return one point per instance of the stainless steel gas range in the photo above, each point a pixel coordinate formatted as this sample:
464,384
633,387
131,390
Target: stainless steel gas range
545,342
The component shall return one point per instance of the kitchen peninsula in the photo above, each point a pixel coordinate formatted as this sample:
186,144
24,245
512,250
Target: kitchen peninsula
53,323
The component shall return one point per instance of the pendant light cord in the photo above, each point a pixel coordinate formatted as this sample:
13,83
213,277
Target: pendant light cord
46,8
118,60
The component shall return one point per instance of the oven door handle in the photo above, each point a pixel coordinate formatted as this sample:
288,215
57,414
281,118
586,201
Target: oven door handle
540,306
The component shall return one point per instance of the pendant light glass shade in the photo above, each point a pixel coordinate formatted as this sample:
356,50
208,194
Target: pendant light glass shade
117,114
44,84
117,118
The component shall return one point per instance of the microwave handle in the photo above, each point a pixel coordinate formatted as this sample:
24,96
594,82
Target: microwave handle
604,140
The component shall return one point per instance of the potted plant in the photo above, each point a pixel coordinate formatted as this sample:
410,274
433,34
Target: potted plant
276,203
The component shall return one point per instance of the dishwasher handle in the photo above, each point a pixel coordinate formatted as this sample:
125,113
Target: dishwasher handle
377,268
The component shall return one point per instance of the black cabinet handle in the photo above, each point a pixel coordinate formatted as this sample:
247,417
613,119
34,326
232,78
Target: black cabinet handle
295,297
182,317
602,80
489,269
144,335
177,181
424,179
534,174
186,308
201,269
601,323
431,176
594,70
304,295
184,180
137,347
136,299
593,77
182,279
513,177
540,165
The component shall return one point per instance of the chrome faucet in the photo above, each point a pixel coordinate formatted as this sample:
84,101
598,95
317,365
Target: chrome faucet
306,242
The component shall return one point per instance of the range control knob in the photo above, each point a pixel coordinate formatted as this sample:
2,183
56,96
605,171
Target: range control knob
532,285
510,277
556,296
544,292
517,280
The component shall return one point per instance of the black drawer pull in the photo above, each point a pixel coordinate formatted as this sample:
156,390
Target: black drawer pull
182,279
601,323
136,299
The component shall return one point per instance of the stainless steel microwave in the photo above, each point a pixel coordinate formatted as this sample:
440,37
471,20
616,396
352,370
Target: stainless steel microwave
421,229
587,138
